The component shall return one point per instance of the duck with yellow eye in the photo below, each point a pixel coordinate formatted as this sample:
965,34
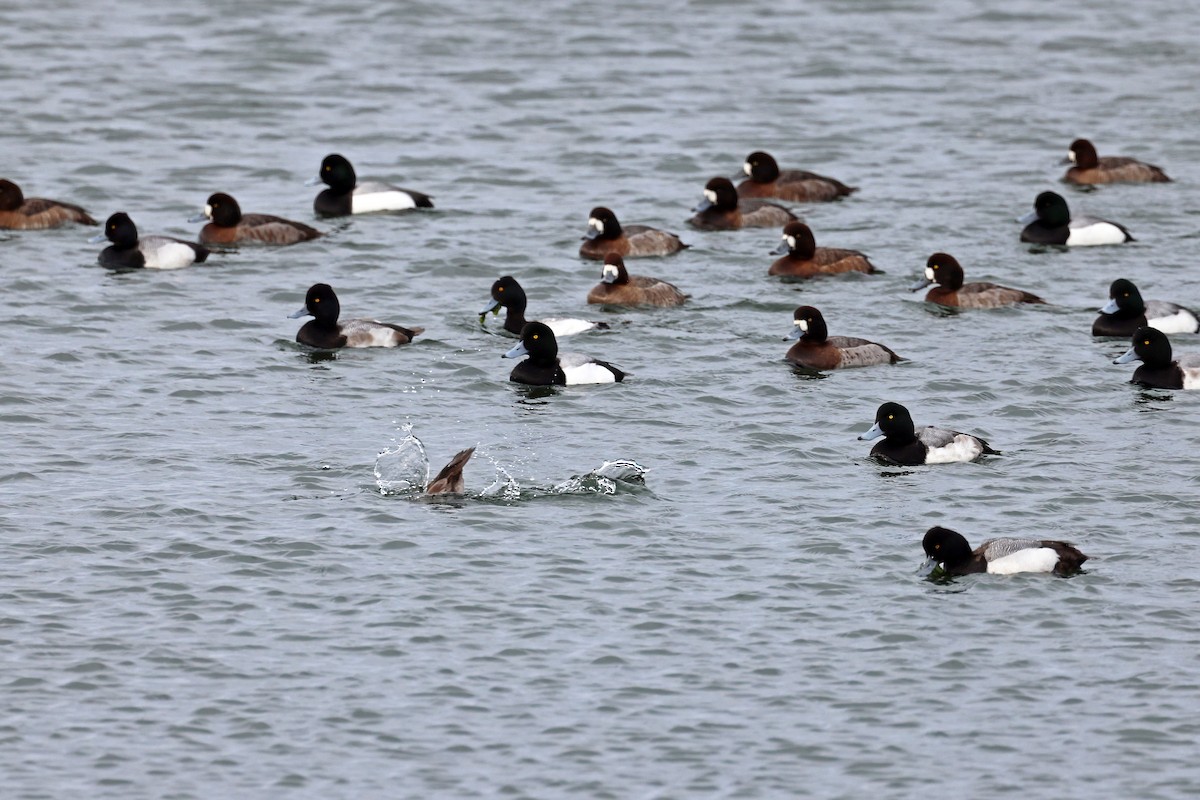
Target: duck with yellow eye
545,366
1159,370
327,333
903,446
508,294
943,271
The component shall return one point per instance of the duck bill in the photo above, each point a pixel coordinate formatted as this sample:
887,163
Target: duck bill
592,233
782,249
304,312
874,433
517,351
794,333
609,278
201,217
1110,308
1025,219
921,284
97,239
1131,355
493,306
703,206
314,181
928,567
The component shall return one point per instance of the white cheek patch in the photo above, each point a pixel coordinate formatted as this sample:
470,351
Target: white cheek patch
802,325
929,273
609,269
381,201
746,168
710,196
791,242
1034,559
595,223
1071,156
208,211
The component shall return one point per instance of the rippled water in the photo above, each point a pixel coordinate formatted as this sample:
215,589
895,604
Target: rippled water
206,594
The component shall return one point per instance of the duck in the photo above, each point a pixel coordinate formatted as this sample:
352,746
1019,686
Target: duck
346,195
18,212
765,179
618,288
228,225
903,446
507,293
943,271
128,251
326,333
547,367
1089,169
949,550
1126,312
804,259
819,351
1159,370
1050,222
606,235
721,210
450,479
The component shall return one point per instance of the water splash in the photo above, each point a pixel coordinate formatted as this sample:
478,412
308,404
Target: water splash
604,479
403,468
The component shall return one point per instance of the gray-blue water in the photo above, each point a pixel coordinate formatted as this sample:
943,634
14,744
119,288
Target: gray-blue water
204,593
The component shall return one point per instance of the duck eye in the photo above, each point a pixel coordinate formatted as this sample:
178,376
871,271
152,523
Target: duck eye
890,416
499,288
535,336
316,300
1147,341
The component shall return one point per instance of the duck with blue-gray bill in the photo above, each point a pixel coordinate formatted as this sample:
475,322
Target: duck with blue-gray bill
903,446
327,333
545,366
817,350
508,294
1126,311
949,551
945,274
1159,370
721,210
129,251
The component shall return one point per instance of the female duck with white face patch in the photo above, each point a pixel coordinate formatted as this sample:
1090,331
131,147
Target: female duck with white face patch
820,351
721,210
228,225
944,272
606,235
949,551
805,260
546,367
903,446
618,288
